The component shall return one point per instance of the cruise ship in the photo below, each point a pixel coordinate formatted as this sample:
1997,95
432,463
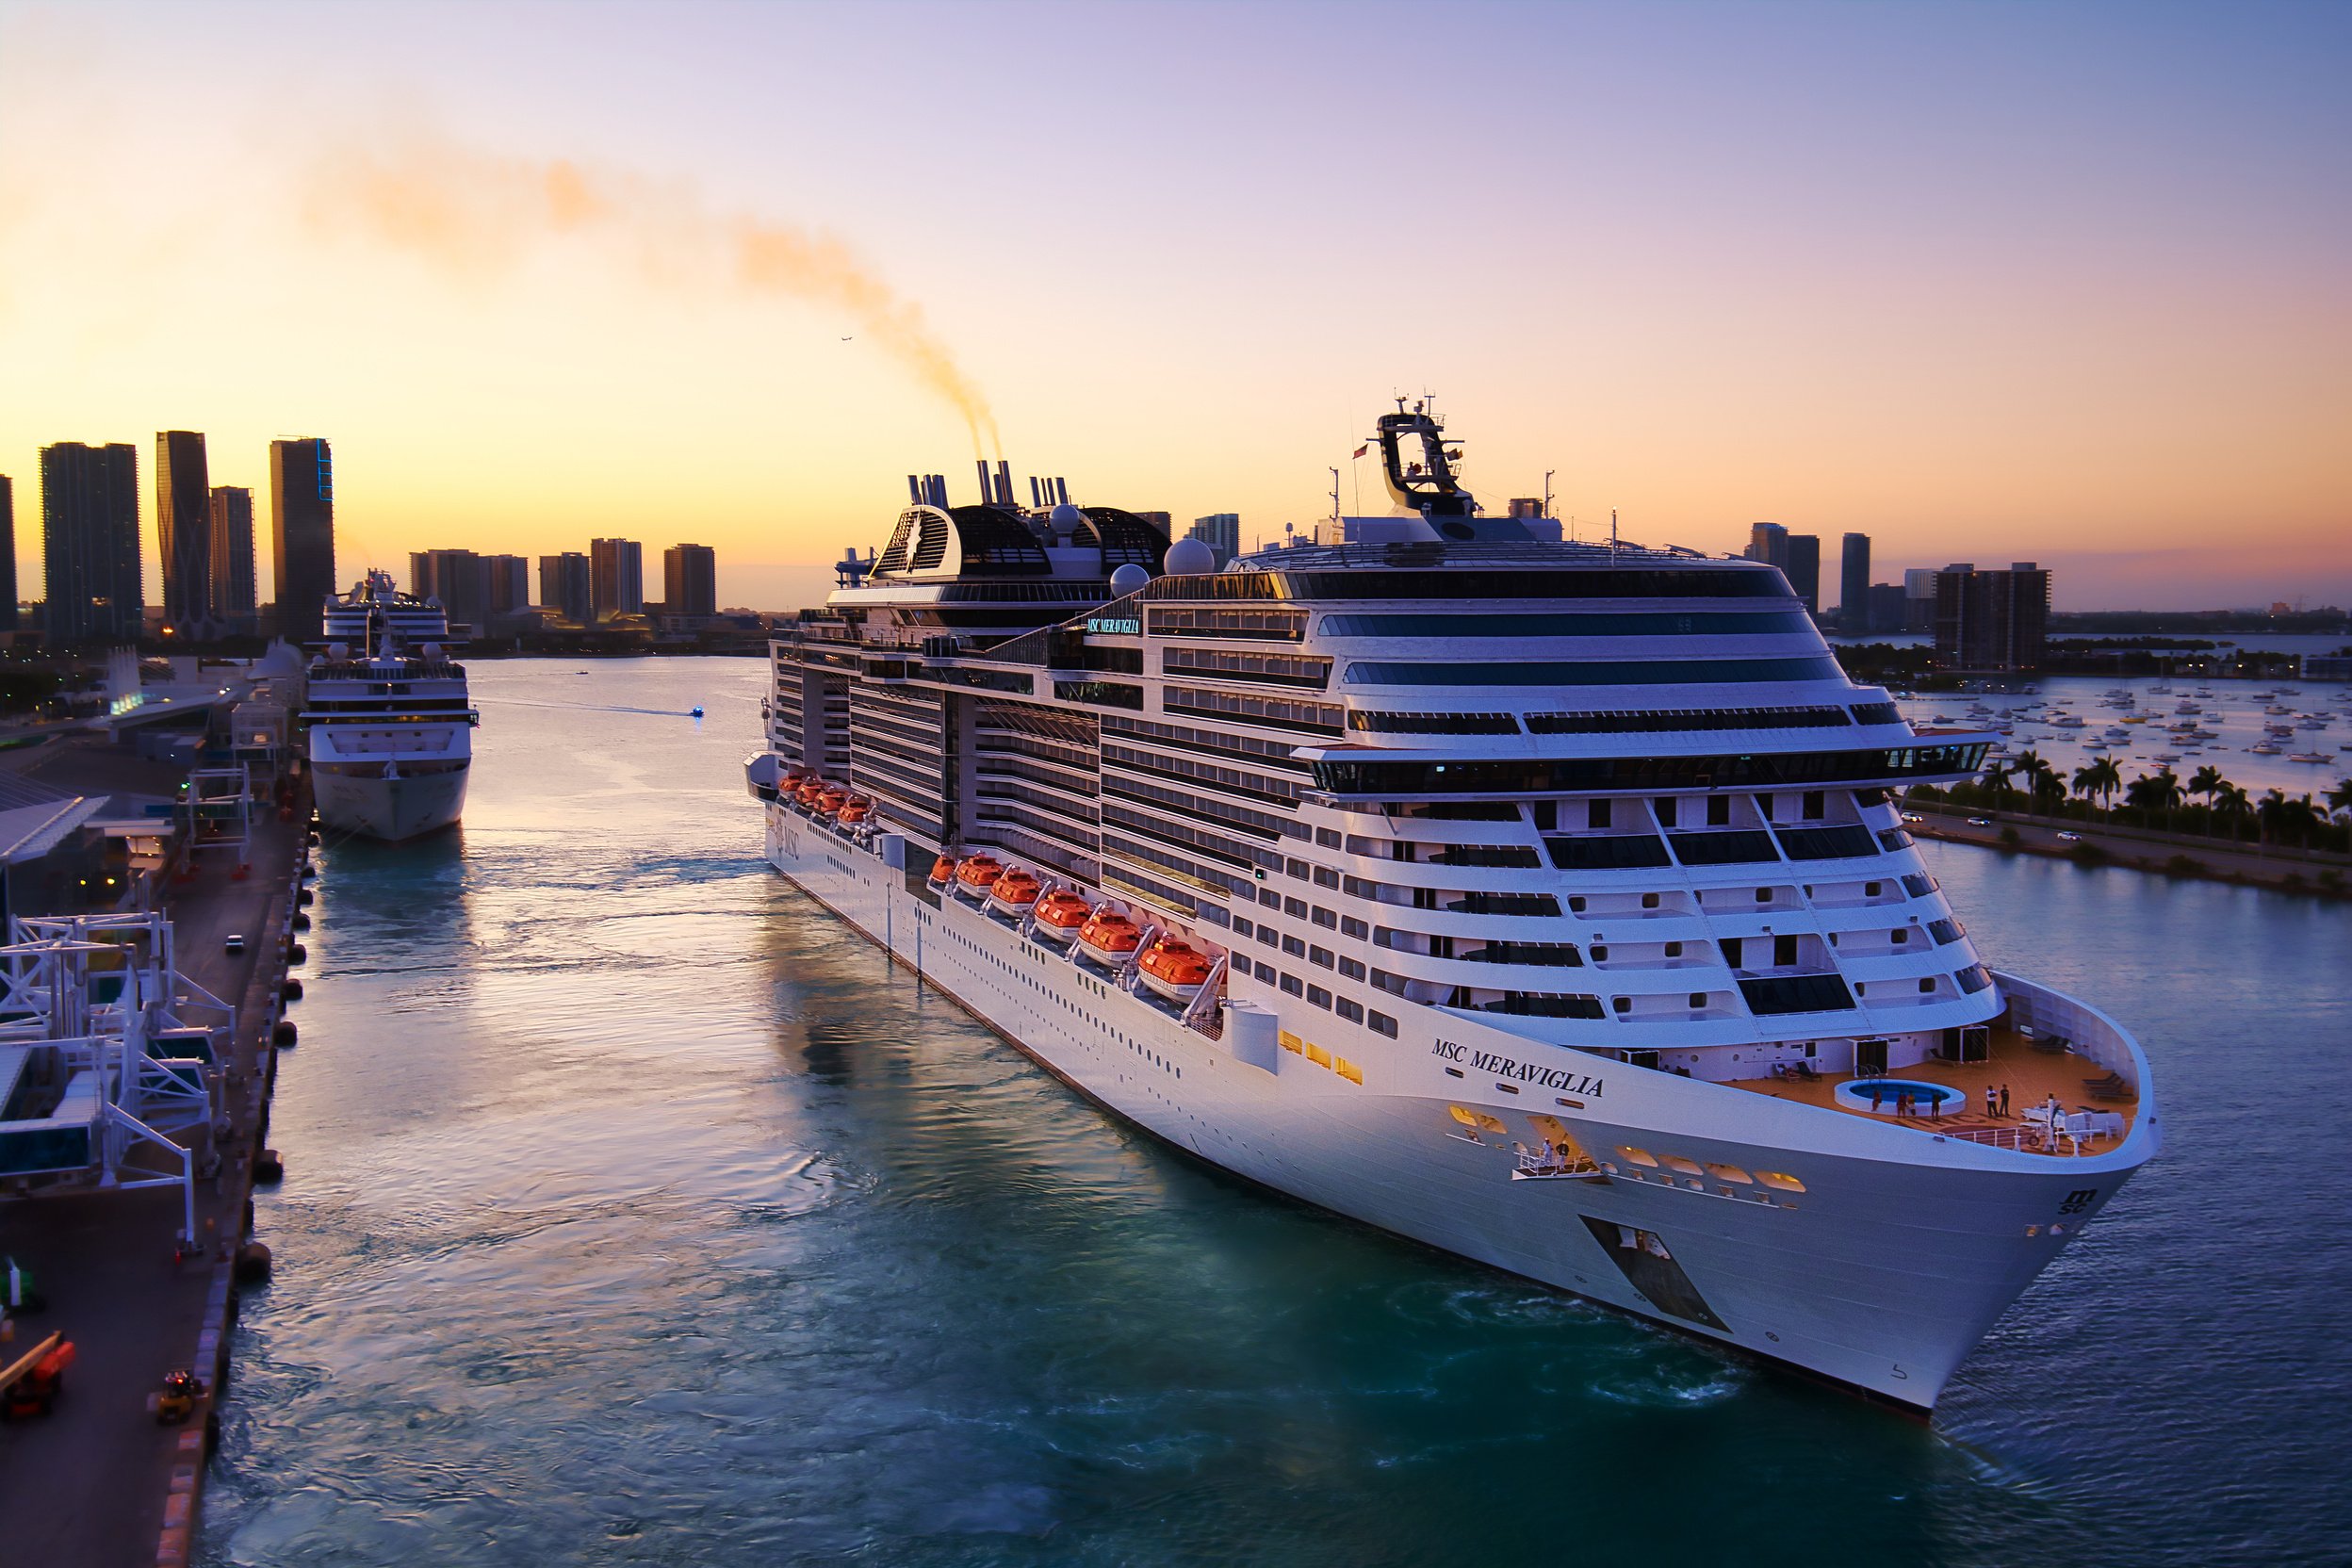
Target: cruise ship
389,723
1545,901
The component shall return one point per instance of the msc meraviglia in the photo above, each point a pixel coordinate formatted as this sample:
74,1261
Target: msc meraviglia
1544,902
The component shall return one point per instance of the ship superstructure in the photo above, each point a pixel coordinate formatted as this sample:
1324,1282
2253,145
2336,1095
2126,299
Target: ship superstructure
387,716
1545,901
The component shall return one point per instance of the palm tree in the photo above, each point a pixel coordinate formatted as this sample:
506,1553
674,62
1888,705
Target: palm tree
2231,803
1995,776
2207,781
2339,798
2158,792
2099,780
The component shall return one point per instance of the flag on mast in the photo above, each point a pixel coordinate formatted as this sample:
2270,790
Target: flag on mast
1366,448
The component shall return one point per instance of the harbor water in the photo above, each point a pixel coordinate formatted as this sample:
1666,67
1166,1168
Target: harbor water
636,1211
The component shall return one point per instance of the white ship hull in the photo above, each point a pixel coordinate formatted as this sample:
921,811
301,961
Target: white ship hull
390,809
1897,1255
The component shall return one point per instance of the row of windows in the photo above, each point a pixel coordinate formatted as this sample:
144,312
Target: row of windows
1277,669
1187,837
1241,748
1320,718
1376,722
1207,878
1259,785
1266,625
1264,823
1124,880
1697,579
1347,1007
1051,724
1653,719
996,788
1570,775
1595,672
1102,693
1053,826
1076,781
991,743
1559,623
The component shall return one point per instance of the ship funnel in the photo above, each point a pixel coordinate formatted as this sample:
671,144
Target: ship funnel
988,490
1004,484
914,489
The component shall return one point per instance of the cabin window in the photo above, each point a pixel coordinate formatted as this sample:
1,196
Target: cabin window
1320,957
1350,926
1927,986
1326,838
1318,997
1295,947
1381,1024
1596,813
1266,972
1731,950
1784,952
1649,901
1623,1004
1816,804
1270,936
1352,1011
1576,904
1719,810
1899,938
1352,969
1666,811
1698,1001
1546,815
1293,986
1242,928
1326,918
1294,907
1600,955
1673,950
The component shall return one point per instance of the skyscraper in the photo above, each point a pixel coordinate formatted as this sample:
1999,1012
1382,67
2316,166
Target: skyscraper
510,584
1991,620
567,586
1803,568
617,577
1221,533
301,544
1853,584
1768,542
232,551
184,531
460,579
7,554
89,543
1918,600
689,579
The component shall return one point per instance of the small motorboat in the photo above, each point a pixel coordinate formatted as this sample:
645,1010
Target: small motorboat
1013,892
1109,937
2309,756
1174,968
977,874
1059,916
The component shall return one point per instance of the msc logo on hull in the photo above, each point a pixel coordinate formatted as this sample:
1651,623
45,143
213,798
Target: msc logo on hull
1530,1073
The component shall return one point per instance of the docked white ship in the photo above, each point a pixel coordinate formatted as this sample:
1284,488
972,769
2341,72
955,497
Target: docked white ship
390,726
1545,901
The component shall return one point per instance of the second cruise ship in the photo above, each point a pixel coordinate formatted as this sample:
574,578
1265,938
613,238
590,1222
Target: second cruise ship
389,723
1545,901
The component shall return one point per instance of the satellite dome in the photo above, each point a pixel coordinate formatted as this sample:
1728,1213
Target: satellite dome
431,650
1190,558
338,651
1067,518
1128,580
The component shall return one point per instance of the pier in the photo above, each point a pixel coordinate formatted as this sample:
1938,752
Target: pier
100,1481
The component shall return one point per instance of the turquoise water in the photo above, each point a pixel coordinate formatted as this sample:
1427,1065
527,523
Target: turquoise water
636,1213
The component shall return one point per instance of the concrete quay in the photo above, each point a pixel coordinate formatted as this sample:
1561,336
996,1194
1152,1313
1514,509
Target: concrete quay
100,1483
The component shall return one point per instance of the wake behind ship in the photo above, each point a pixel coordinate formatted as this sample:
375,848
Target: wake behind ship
1545,901
389,725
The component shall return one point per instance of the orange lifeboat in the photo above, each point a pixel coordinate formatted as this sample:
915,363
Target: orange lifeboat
1174,969
830,802
1059,916
1109,937
943,870
854,810
977,875
811,789
1014,891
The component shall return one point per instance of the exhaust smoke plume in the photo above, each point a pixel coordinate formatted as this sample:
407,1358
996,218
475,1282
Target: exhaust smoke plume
475,212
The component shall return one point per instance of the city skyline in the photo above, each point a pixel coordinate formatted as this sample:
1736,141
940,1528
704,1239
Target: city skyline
2074,301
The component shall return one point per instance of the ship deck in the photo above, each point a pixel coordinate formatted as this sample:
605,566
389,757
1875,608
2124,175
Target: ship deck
2027,1067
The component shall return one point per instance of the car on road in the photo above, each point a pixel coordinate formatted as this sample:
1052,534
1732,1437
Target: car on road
236,943
1913,816
1980,822
2069,838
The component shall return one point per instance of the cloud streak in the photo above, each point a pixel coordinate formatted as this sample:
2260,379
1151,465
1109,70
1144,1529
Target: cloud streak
478,213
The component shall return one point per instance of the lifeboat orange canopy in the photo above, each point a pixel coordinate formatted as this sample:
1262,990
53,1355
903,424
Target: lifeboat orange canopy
979,871
1175,962
1110,932
942,869
1065,909
1015,886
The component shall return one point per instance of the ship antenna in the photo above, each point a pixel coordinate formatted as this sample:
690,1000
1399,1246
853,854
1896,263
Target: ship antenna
1547,491
1334,495
1613,533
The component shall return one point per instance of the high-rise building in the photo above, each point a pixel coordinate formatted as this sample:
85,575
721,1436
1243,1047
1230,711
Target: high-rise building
1853,584
689,579
231,526
460,579
89,543
510,584
616,570
1887,604
1918,600
567,586
1991,620
1221,533
1157,519
301,542
1804,569
1768,542
184,531
7,554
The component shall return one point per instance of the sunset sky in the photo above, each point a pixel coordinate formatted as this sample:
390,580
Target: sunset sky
1991,282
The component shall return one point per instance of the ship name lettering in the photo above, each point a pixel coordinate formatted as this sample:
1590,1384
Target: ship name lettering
1531,1073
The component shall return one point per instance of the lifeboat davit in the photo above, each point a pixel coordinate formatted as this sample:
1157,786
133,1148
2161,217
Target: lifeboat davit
1174,969
1109,937
977,875
943,870
1060,915
1014,891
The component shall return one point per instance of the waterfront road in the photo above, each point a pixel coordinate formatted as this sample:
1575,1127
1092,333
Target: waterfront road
86,1487
2128,847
